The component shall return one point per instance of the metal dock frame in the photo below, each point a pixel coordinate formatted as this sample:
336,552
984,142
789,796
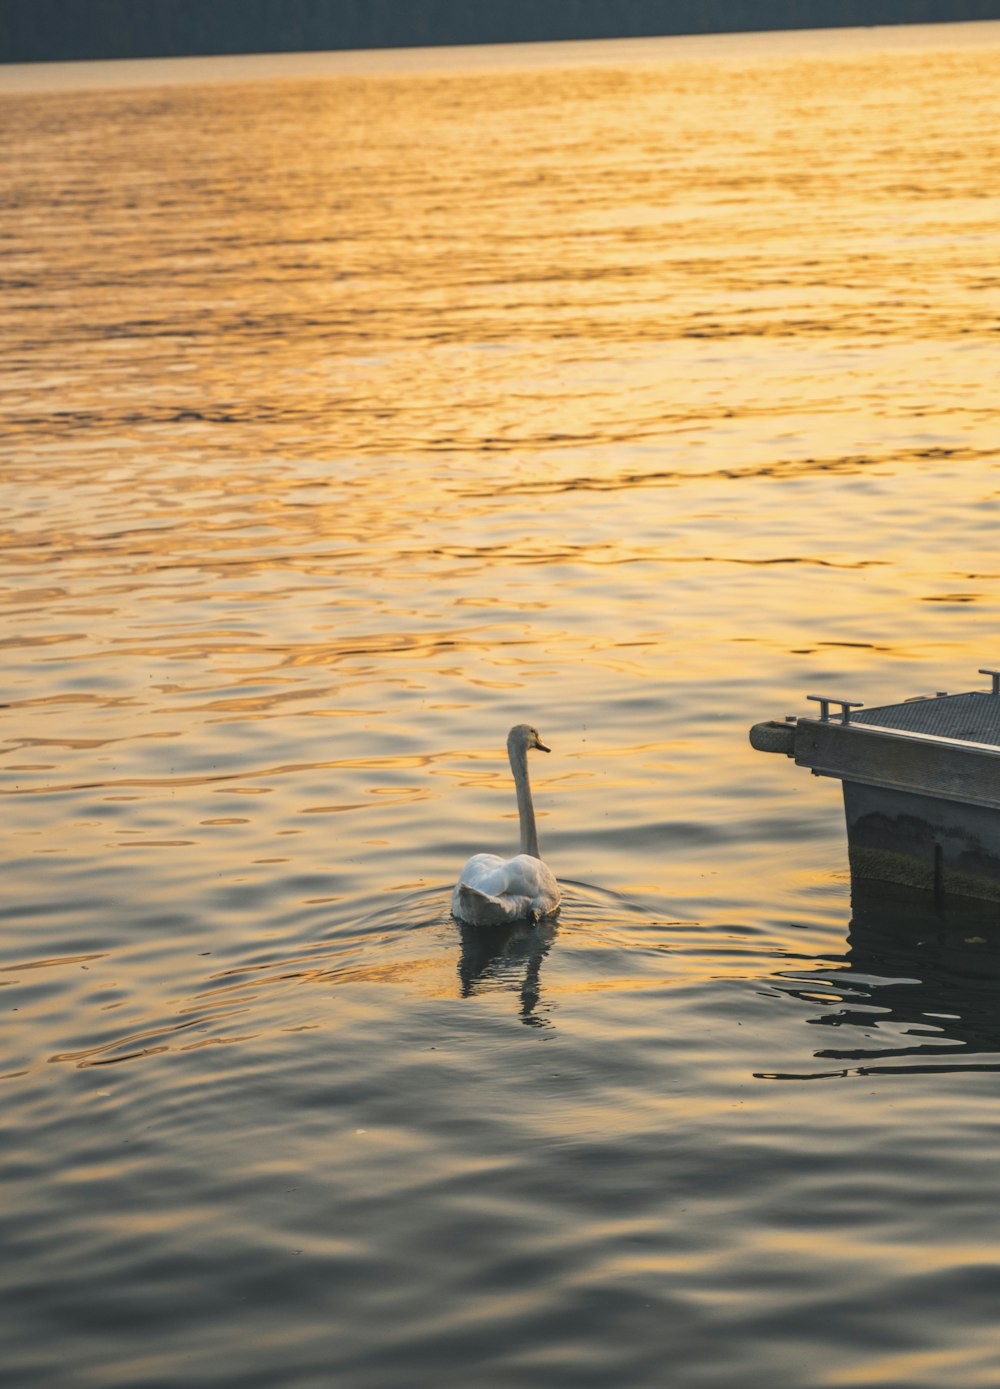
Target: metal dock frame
921,786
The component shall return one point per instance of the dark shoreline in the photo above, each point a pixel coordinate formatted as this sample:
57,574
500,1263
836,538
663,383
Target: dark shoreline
54,31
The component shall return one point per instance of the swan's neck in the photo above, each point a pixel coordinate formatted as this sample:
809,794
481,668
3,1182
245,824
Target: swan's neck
525,809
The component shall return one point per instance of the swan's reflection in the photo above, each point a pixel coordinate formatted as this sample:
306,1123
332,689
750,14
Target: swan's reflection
509,958
917,989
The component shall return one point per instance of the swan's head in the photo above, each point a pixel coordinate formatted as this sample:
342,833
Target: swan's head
523,736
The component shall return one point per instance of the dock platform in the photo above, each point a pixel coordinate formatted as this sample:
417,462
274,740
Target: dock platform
921,785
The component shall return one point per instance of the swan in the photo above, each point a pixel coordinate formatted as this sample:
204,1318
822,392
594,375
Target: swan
492,890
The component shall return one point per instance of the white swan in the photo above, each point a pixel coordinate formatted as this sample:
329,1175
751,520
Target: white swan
492,890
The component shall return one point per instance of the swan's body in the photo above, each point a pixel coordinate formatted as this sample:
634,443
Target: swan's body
492,890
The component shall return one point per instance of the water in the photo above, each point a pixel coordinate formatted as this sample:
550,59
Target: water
350,417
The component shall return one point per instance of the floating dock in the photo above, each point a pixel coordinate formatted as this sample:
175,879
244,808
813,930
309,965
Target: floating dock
921,785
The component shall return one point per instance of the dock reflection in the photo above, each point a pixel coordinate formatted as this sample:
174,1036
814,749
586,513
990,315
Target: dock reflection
917,989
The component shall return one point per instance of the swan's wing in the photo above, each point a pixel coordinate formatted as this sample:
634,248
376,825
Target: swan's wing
492,889
530,877
477,908
483,873
521,876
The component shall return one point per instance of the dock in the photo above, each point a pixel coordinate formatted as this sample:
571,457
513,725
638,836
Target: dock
921,784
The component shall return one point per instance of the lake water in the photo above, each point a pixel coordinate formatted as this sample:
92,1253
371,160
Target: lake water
351,416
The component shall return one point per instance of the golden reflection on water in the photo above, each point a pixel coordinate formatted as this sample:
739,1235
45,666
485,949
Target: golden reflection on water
349,420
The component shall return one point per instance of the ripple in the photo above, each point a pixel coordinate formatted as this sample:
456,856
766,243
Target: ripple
351,420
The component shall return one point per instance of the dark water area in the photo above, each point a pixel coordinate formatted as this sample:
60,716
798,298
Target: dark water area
348,420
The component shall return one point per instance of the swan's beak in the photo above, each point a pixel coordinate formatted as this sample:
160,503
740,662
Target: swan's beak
540,745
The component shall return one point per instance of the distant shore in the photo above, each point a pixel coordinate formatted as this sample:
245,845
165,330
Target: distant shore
98,30
149,72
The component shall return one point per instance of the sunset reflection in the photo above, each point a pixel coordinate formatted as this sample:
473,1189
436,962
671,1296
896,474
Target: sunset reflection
349,419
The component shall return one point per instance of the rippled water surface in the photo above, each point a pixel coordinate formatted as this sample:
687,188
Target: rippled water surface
349,419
